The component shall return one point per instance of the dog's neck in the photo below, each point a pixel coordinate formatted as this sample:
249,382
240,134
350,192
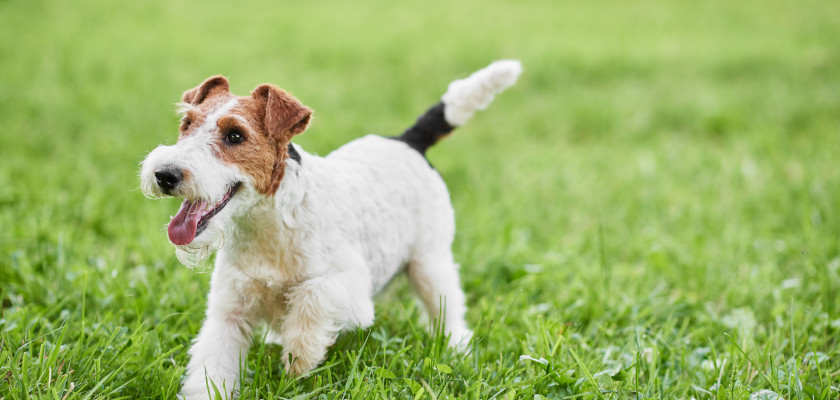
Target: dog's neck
282,206
273,221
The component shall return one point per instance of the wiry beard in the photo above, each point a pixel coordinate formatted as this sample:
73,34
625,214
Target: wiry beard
197,253
219,230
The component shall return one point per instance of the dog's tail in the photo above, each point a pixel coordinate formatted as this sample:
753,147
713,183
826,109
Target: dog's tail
463,98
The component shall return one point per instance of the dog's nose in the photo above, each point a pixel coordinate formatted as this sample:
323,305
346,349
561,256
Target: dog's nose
168,178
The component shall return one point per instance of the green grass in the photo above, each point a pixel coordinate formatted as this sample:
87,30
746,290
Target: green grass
654,210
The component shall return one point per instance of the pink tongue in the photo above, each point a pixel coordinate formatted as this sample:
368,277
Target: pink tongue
183,226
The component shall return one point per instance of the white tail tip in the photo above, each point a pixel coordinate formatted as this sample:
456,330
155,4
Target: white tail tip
466,96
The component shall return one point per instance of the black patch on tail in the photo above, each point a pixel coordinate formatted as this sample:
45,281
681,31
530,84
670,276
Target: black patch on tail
293,154
428,129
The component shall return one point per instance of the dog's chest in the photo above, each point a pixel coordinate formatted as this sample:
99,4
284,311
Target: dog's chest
265,267
261,284
271,261
264,250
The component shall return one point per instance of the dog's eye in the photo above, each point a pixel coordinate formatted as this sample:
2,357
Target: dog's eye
185,124
234,136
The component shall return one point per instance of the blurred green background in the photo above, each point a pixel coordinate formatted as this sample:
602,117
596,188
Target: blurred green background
653,209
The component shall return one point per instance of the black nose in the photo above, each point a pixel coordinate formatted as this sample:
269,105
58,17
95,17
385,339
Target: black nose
168,178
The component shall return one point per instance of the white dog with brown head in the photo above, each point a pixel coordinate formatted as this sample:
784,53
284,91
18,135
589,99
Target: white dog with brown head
303,242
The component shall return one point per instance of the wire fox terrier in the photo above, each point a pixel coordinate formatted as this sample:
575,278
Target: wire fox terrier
305,242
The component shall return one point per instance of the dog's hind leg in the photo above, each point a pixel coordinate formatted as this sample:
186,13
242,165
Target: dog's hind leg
434,277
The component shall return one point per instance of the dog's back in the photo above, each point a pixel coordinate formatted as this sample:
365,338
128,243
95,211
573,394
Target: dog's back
391,200
414,216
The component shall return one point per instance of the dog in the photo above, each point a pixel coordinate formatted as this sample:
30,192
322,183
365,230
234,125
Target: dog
302,242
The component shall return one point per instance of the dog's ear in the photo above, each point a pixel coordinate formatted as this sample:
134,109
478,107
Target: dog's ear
285,116
213,84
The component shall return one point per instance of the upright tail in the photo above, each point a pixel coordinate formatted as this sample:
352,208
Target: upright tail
463,98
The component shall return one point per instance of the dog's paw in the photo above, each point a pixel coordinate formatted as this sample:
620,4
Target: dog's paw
297,366
460,339
194,393
194,389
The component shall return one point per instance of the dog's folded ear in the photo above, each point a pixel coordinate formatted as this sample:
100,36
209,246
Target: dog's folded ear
285,116
211,86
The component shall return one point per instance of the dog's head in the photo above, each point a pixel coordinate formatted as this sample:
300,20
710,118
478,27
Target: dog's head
231,152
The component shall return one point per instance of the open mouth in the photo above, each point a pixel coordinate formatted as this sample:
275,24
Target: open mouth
194,216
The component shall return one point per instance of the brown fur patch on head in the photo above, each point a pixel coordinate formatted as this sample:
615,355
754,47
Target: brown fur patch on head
268,120
199,101
190,119
255,155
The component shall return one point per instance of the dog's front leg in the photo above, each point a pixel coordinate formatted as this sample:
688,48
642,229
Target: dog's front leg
222,343
318,309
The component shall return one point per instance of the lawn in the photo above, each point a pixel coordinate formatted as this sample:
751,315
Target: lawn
653,211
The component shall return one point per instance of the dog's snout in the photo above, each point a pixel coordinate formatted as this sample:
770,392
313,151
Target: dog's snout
168,178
